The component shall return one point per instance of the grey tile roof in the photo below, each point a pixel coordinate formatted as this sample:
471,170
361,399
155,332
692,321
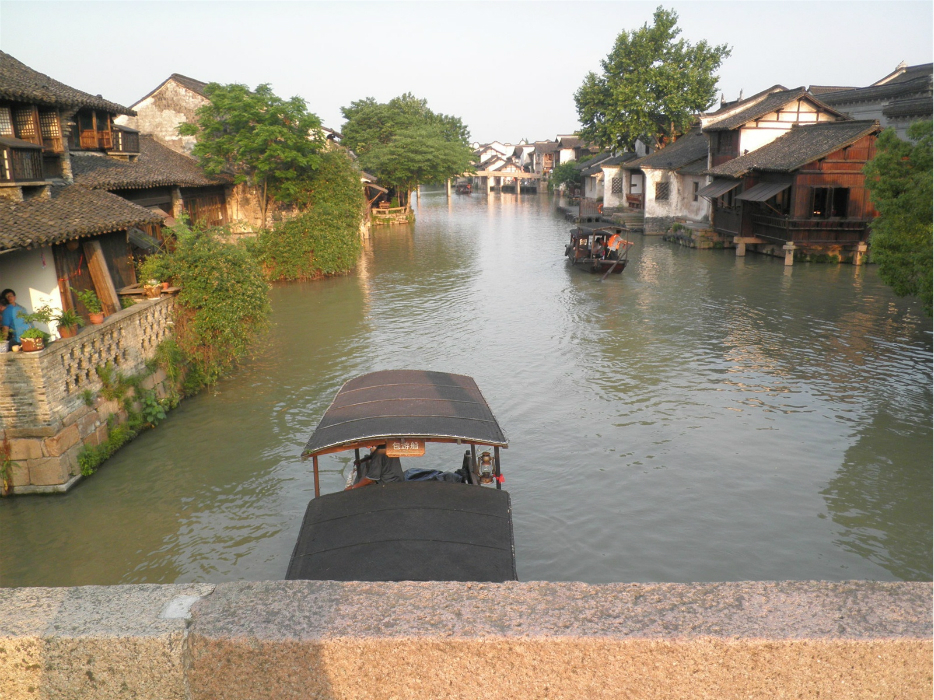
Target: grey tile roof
912,73
726,106
594,166
915,107
546,146
687,149
570,142
190,83
910,88
617,160
770,104
157,166
798,147
72,212
21,83
698,167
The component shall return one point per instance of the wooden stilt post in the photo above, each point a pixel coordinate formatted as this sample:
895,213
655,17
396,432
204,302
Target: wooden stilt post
100,275
314,461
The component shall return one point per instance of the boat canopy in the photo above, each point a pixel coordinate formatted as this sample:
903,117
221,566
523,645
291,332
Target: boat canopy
432,406
415,531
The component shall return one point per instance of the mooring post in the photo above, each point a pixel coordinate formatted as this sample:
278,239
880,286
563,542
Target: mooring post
740,246
448,183
789,249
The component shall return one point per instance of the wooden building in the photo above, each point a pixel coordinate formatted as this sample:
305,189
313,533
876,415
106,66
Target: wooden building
802,195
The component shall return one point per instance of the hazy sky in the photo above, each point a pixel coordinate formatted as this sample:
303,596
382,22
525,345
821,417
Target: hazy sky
508,69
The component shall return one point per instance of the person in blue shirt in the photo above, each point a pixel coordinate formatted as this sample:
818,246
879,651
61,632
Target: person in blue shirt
11,319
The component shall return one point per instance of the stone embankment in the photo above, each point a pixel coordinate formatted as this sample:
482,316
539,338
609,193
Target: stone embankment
303,639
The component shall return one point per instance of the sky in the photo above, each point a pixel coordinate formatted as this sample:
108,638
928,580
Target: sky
509,70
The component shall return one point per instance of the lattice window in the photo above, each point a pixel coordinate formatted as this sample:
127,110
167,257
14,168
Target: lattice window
616,185
51,131
25,125
6,122
662,190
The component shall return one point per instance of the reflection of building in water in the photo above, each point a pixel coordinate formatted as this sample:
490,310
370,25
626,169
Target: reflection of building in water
881,497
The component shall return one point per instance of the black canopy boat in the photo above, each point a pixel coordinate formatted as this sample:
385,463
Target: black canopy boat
456,527
595,248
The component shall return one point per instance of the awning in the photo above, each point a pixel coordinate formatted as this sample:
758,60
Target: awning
142,240
763,191
718,188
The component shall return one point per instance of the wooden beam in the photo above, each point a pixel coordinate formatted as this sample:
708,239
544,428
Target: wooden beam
100,275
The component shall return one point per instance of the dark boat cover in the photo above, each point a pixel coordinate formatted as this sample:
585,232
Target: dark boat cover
414,531
406,403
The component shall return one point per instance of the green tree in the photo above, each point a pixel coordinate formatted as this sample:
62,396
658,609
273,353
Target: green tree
899,179
651,85
325,238
270,144
568,173
404,143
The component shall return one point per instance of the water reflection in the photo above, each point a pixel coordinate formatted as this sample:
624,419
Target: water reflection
686,420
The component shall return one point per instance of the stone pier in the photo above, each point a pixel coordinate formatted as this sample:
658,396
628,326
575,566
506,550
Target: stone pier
305,639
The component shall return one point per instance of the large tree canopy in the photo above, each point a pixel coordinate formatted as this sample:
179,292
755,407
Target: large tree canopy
404,143
264,141
899,179
651,86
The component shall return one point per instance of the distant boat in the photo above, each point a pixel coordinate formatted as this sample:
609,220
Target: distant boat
455,526
463,188
595,248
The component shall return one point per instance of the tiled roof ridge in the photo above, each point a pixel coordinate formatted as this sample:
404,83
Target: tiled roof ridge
21,83
875,92
771,103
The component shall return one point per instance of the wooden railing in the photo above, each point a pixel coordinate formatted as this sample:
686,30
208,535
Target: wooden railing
634,201
811,230
21,165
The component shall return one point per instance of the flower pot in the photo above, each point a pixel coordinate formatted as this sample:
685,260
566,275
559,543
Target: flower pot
153,291
31,344
96,319
67,331
165,286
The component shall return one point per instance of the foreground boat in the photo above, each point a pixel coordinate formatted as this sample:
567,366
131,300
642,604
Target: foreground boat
601,249
454,526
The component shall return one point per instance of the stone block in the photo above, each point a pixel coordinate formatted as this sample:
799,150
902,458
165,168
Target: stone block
19,474
25,448
47,471
148,383
88,424
58,445
105,408
97,437
70,460
76,415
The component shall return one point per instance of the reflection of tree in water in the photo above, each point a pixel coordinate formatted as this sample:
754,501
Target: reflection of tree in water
881,497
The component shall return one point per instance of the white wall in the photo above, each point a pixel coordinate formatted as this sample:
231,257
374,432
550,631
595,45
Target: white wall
610,199
680,202
31,274
755,135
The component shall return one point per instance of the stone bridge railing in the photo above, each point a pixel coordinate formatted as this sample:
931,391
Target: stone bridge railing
324,639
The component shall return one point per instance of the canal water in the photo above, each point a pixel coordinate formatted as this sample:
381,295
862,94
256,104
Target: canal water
700,417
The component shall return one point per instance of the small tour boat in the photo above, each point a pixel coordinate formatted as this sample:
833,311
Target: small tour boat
433,525
463,188
600,249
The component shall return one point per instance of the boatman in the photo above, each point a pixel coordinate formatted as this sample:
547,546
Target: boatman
379,469
614,243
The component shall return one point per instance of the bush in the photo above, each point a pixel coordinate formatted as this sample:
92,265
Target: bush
223,304
325,238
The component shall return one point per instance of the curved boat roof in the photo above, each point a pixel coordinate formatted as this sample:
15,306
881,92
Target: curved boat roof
406,403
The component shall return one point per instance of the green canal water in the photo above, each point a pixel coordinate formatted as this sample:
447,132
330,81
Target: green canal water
700,417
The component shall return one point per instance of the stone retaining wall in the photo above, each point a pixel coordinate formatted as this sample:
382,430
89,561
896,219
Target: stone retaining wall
304,639
44,410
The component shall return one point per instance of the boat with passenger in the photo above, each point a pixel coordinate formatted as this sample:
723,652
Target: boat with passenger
390,524
601,249
463,187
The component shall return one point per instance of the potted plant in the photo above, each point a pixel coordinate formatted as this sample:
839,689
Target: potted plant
93,304
32,339
153,288
68,322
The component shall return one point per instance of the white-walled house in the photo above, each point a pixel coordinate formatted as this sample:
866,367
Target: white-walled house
614,194
175,101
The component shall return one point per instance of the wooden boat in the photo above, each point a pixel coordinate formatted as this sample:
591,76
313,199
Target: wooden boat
456,527
463,188
588,248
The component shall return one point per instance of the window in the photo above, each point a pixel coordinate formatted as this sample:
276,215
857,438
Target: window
6,122
51,132
828,202
694,187
616,185
727,200
25,123
725,143
661,191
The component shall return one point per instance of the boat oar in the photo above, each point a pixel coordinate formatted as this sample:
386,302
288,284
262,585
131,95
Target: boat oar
612,267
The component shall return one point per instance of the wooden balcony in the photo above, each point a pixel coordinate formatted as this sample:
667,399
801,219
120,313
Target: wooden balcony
827,231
